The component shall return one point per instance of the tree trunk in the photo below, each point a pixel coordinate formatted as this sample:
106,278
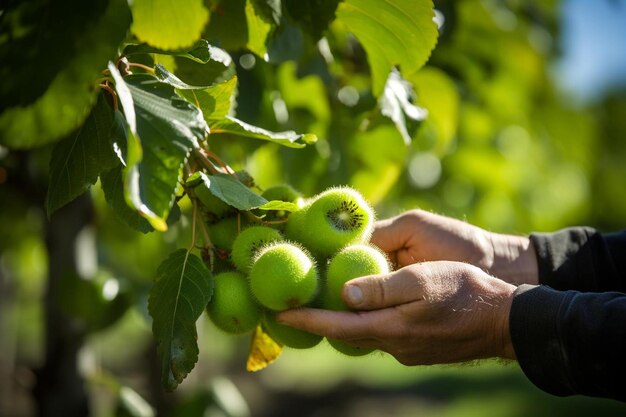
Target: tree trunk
60,389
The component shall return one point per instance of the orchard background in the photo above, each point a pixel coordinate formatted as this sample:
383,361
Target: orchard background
107,106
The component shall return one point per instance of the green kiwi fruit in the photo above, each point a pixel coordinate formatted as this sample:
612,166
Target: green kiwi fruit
349,350
223,232
351,262
249,241
282,192
283,276
287,335
232,307
211,203
335,218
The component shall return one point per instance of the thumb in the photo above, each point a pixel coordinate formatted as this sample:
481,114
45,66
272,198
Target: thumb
386,290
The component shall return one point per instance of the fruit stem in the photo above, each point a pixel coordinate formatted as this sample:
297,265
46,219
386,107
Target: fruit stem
208,244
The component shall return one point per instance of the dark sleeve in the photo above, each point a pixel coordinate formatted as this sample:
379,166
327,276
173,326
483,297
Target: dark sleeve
581,259
570,342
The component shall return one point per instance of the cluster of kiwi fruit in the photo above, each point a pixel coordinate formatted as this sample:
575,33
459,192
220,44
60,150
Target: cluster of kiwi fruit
291,259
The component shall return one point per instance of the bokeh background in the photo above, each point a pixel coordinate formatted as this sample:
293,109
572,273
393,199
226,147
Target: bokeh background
526,132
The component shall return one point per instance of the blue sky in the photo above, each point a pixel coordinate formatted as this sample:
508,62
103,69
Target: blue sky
594,47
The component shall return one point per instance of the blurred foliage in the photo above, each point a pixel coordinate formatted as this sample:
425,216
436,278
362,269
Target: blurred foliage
501,147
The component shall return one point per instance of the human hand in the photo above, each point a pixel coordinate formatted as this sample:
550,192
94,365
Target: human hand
418,235
425,313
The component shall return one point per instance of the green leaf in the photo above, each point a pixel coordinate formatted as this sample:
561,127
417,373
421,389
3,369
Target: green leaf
313,16
280,205
72,92
78,159
392,32
259,28
113,186
396,104
182,290
32,31
231,191
215,101
235,126
169,24
169,127
201,52
271,10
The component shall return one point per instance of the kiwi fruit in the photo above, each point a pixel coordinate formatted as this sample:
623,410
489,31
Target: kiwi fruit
283,276
249,241
282,192
335,218
232,307
223,232
349,350
287,335
351,262
212,204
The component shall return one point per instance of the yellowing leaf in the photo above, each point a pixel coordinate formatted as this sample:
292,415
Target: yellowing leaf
263,351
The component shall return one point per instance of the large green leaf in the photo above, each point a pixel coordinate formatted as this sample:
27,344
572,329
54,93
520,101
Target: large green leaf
393,33
168,128
78,159
169,24
30,56
72,92
182,290
259,28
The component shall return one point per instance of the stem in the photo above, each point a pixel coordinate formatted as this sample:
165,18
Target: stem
205,162
111,91
219,161
142,66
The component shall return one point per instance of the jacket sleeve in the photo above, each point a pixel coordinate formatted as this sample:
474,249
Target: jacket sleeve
582,259
569,334
570,342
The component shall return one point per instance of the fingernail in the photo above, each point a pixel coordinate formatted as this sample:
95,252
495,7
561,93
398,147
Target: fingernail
354,294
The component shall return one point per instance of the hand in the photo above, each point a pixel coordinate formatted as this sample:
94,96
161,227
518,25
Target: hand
425,313
417,236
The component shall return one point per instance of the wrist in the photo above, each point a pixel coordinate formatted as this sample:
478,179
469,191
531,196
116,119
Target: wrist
513,259
503,342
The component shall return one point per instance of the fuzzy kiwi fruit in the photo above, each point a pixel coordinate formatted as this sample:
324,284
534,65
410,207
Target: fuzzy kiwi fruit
351,262
335,218
287,335
283,276
249,241
232,307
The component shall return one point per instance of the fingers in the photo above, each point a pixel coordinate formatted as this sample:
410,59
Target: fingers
340,325
388,236
387,290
